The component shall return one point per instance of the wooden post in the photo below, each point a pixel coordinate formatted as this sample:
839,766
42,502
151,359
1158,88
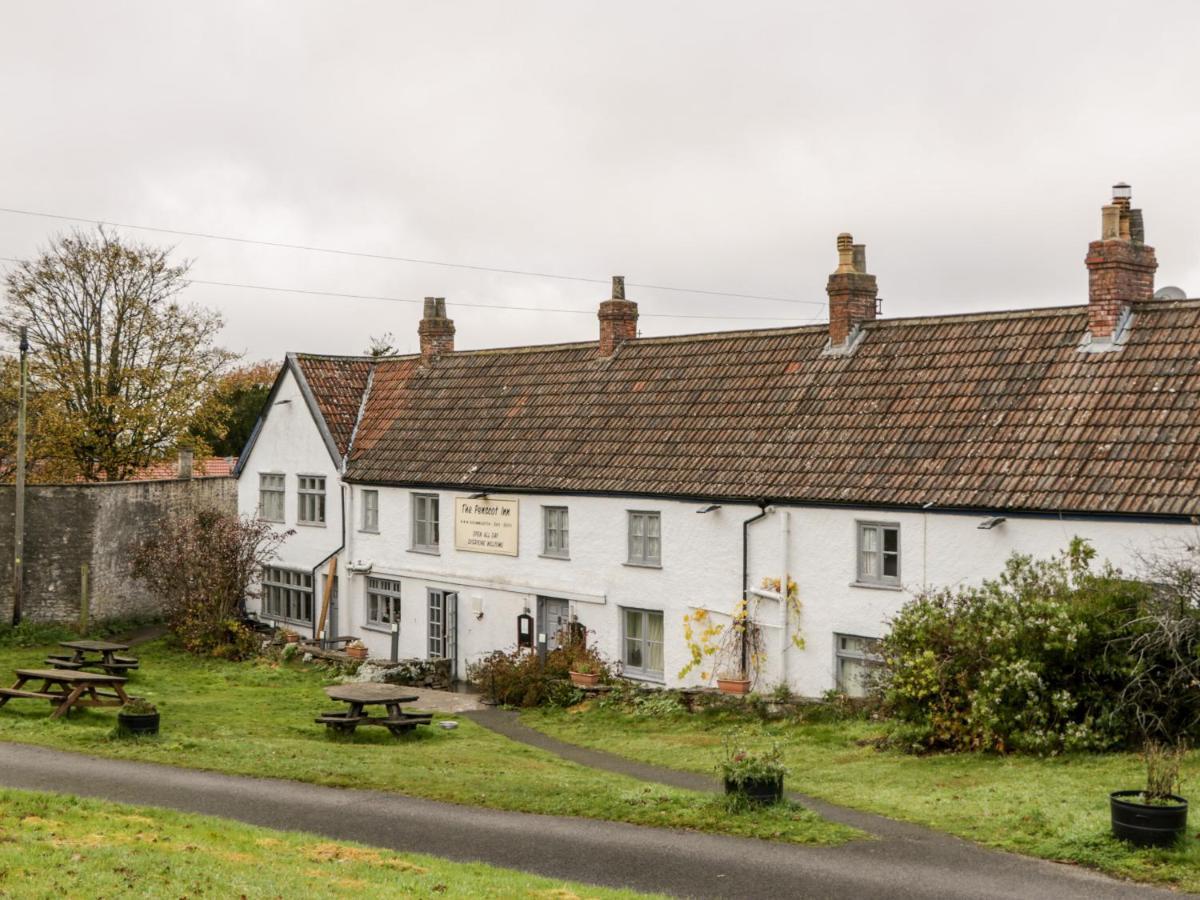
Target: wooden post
19,537
329,577
84,598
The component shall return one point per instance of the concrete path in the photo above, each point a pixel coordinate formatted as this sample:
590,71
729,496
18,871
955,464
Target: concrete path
681,863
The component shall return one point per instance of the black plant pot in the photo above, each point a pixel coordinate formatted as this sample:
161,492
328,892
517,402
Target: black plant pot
757,791
130,724
1145,824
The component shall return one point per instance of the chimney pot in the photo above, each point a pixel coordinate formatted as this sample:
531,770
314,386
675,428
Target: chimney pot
436,332
852,291
1120,266
618,319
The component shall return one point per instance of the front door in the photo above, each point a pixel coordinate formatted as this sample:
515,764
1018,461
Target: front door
553,617
443,627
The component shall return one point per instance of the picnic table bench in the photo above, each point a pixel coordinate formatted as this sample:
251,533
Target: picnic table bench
108,660
360,696
67,689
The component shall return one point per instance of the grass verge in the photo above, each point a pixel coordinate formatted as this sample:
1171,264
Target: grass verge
1054,808
56,846
256,719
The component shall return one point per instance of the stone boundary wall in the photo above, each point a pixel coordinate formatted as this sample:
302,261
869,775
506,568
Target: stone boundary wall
100,524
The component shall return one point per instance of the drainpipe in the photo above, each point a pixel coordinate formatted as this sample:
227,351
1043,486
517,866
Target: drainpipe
762,513
785,534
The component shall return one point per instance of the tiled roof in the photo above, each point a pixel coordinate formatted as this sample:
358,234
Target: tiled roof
989,411
337,383
211,467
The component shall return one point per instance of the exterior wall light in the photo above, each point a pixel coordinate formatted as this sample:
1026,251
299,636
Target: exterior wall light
991,522
712,507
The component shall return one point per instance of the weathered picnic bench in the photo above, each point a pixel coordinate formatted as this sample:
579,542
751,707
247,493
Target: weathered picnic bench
360,696
67,689
109,661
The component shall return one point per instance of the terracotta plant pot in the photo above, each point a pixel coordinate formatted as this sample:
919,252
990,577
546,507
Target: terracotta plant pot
584,679
291,638
356,652
733,685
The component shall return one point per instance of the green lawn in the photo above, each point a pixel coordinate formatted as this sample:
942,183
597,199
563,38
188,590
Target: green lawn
257,719
53,846
1054,808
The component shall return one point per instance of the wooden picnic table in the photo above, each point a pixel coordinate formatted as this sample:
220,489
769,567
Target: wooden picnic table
67,689
365,694
108,659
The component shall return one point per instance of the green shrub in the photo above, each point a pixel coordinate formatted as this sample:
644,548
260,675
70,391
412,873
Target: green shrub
1034,660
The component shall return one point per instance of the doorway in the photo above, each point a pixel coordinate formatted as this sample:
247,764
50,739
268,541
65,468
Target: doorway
554,615
443,627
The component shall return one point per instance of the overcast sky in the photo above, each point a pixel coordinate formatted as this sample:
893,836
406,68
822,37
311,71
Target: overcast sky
700,145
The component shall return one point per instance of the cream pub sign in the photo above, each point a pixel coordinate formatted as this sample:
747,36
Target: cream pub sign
485,525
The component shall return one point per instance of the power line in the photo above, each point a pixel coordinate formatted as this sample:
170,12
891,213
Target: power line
501,306
404,259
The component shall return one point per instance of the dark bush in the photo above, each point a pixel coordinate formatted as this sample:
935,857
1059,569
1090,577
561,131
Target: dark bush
518,678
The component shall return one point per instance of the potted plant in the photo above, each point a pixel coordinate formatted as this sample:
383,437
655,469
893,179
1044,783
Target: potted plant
137,716
356,650
1155,816
290,637
752,776
733,683
584,673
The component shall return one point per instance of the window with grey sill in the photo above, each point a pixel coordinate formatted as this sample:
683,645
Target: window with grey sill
287,594
855,656
310,509
642,643
370,511
383,602
425,534
645,538
879,553
556,537
272,488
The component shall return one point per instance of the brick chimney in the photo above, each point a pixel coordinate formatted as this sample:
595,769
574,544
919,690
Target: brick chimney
852,292
1120,265
618,319
436,331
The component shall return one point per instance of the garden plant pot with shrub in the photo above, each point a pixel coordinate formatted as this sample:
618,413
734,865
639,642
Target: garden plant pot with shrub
733,684
137,717
583,673
1155,816
356,650
752,776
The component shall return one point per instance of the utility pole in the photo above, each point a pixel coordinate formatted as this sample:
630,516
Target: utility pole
19,540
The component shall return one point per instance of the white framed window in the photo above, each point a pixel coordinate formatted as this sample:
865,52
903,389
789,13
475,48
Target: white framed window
855,656
287,594
879,553
272,489
370,511
310,509
556,536
383,602
425,534
642,643
645,539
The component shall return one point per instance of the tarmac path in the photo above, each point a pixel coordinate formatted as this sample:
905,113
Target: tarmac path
904,862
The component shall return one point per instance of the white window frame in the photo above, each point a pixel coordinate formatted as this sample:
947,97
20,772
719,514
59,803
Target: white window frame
310,500
876,533
370,510
279,495
423,523
645,538
380,593
441,609
287,594
556,532
867,658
